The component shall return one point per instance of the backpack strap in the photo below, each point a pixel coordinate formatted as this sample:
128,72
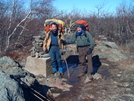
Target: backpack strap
85,34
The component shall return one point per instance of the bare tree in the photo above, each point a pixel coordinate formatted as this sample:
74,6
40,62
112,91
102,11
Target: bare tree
13,15
70,18
18,20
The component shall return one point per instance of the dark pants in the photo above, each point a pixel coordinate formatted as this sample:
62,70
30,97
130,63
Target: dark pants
56,58
82,59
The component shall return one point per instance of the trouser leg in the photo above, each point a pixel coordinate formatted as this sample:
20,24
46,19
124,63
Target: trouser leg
90,66
82,59
58,58
53,59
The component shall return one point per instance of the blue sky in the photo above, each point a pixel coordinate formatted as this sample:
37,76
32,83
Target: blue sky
89,5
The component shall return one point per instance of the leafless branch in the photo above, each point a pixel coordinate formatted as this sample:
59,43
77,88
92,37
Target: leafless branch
23,28
13,32
128,26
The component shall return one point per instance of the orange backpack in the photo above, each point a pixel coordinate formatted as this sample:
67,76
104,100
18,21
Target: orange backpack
48,26
83,22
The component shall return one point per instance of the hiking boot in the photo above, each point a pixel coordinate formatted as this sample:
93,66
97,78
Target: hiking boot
96,76
58,74
54,72
83,72
61,75
88,79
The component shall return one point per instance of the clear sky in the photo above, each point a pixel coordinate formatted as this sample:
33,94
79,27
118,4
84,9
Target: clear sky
89,5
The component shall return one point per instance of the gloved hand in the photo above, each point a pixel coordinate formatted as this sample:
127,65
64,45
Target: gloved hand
62,41
89,51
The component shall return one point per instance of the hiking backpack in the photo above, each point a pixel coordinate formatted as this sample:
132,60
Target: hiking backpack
83,22
48,23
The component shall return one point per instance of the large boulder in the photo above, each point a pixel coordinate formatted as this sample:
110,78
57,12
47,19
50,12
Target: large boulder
119,53
15,71
10,89
109,44
110,51
22,74
6,62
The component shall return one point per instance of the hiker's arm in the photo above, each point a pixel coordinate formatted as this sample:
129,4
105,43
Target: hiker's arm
92,43
72,39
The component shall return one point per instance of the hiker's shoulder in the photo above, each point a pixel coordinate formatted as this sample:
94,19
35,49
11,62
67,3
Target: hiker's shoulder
74,33
87,32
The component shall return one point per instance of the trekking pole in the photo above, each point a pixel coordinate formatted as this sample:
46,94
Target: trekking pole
66,66
38,97
63,54
72,69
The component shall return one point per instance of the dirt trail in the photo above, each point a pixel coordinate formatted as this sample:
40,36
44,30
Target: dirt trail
117,84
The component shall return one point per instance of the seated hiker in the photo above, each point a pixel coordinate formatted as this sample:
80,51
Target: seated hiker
85,45
53,44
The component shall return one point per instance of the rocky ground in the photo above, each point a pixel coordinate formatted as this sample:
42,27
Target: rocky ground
116,84
114,80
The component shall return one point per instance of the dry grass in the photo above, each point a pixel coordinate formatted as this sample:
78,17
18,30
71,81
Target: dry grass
17,54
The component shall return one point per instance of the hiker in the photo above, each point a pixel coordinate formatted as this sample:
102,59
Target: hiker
85,45
53,44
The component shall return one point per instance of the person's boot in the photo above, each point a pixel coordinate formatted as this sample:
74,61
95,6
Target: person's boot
54,73
82,73
58,74
88,79
61,75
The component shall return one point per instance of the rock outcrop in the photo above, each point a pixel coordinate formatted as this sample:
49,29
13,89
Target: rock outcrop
10,89
110,51
6,62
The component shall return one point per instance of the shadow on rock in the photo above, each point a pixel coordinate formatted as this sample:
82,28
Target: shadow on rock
96,63
71,62
32,90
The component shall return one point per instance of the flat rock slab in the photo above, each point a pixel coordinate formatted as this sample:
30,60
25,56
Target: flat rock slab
39,66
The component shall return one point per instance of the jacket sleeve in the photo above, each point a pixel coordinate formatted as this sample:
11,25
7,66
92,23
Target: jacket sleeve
91,40
72,39
62,36
59,41
45,41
